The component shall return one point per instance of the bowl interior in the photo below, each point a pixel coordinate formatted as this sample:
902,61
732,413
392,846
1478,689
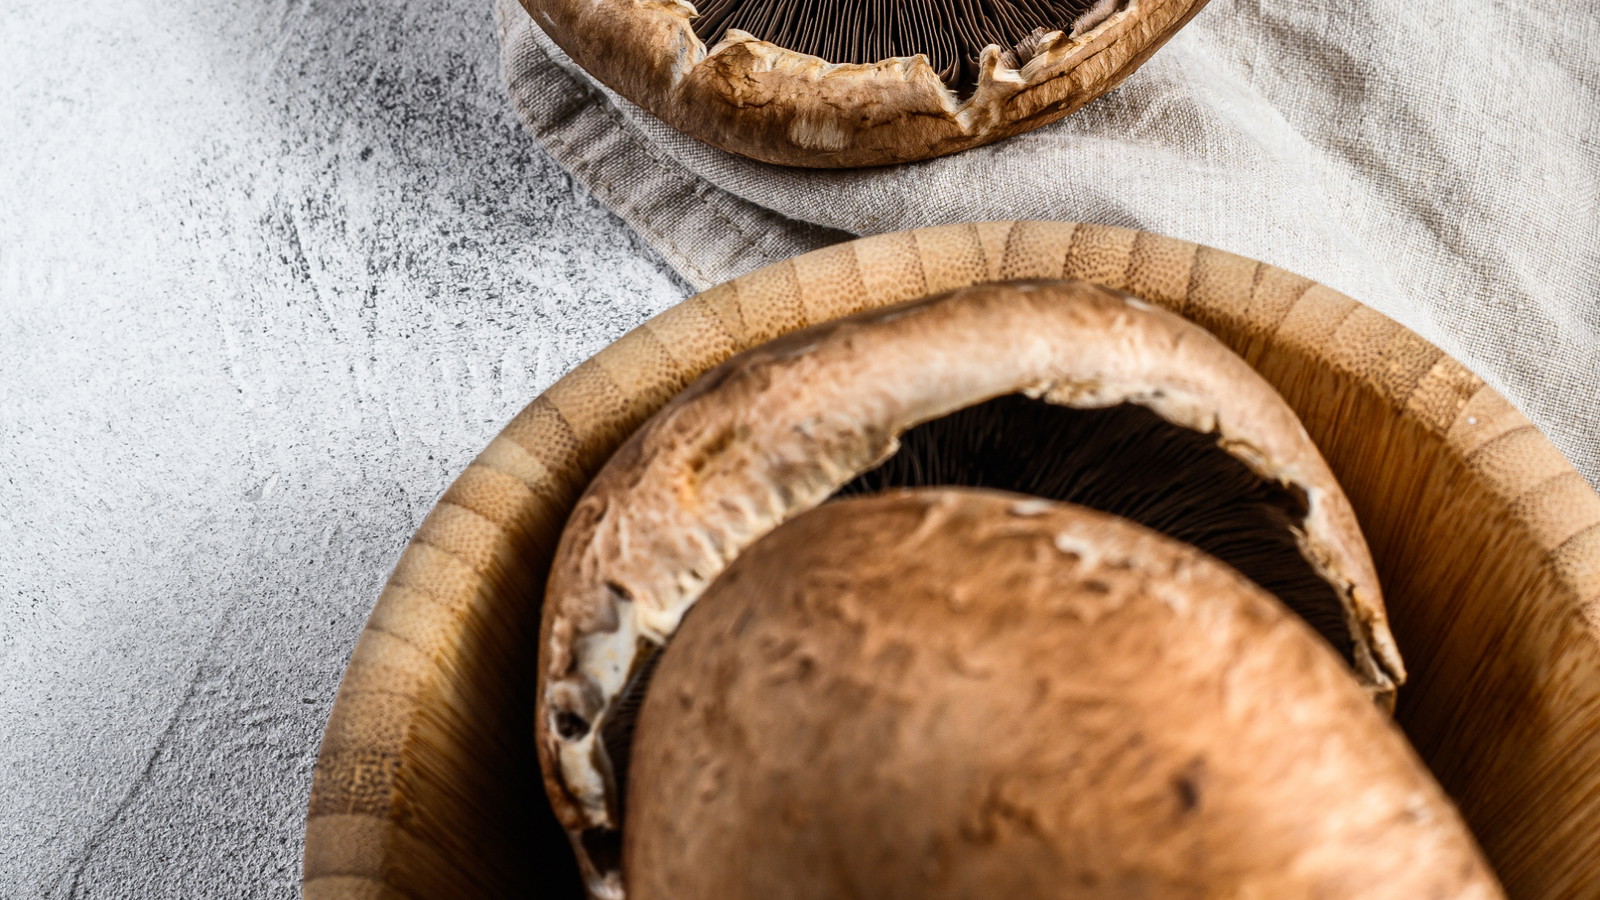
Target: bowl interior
1486,540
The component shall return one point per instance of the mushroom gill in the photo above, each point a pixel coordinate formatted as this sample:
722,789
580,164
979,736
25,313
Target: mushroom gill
951,33
846,83
1130,462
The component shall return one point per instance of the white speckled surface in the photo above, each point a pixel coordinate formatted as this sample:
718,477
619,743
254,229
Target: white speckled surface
270,275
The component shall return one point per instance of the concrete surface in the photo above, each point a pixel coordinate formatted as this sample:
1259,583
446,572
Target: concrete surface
270,275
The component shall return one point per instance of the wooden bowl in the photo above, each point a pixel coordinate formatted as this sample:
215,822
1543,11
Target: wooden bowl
1486,539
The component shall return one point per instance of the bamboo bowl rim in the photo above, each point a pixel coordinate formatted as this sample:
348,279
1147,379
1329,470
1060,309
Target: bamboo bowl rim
428,708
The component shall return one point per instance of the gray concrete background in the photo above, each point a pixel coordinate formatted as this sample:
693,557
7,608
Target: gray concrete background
270,275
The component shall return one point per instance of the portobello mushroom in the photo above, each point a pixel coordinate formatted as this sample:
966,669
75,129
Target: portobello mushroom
1065,390
953,694
832,83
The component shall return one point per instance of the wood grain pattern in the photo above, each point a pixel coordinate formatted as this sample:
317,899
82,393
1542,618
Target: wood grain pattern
1487,541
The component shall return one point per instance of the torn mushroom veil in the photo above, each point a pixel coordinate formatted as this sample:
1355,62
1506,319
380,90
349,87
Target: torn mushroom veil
840,83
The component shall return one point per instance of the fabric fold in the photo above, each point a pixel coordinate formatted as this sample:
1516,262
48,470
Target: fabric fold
1439,168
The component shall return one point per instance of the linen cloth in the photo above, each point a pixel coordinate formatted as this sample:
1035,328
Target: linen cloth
1439,161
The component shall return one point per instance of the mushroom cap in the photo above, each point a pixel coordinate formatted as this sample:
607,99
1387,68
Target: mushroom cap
776,430
760,100
956,694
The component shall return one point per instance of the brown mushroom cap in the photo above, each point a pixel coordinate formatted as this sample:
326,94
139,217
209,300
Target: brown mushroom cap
953,694
756,98
777,430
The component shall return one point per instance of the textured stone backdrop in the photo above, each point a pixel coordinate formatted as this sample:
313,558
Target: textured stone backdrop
270,275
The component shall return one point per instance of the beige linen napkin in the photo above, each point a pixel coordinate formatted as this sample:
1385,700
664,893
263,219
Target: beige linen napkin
1439,161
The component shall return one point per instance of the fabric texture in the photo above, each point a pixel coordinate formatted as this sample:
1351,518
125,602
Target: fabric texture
1437,161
